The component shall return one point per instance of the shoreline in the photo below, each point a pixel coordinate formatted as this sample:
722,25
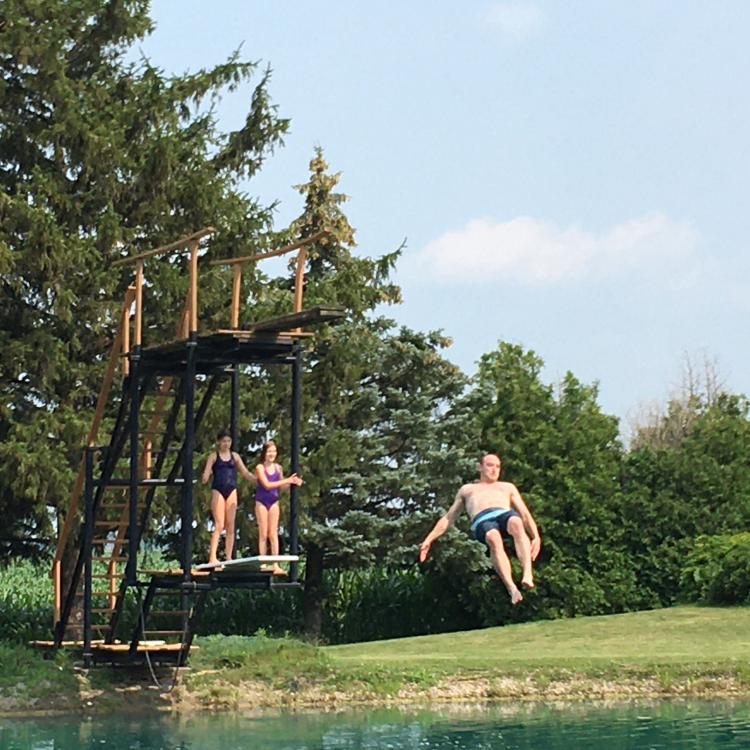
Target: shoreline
678,653
221,695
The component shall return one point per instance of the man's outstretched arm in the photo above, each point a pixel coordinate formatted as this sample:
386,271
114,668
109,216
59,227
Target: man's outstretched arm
528,521
441,526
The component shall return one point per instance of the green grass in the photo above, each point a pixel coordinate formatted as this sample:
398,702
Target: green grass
276,661
27,680
694,646
675,640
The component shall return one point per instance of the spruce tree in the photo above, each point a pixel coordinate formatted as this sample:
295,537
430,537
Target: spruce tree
374,447
100,157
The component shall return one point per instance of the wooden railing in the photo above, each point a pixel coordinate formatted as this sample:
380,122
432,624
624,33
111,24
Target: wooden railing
190,243
299,274
72,514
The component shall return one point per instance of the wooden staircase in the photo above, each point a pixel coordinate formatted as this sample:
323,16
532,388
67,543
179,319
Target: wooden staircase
113,525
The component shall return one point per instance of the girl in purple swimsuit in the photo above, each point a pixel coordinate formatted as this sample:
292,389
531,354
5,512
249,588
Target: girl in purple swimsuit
223,464
270,483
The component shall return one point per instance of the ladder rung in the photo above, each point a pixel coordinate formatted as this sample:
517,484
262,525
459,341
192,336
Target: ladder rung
106,575
102,610
118,524
118,506
106,558
169,612
104,593
94,626
106,540
124,484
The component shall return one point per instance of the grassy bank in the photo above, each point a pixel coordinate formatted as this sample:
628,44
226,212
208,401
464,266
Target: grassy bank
672,652
672,636
677,651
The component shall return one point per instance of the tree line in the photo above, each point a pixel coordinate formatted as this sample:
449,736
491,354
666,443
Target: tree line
102,156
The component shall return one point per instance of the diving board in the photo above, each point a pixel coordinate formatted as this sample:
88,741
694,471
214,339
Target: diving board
248,564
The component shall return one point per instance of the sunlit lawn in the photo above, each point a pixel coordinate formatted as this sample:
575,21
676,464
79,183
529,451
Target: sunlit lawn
703,637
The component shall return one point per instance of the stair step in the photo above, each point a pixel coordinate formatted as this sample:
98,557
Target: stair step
124,484
119,506
107,540
94,626
156,387
106,558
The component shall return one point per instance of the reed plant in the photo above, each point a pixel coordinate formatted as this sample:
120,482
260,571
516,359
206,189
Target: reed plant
377,603
25,601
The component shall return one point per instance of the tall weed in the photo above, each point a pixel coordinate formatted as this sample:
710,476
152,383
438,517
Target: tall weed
25,601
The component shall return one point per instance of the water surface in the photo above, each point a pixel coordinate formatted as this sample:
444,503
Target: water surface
642,726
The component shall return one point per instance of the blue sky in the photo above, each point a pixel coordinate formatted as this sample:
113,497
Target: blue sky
571,176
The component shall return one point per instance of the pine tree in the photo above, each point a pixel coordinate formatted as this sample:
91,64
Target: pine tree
99,158
374,398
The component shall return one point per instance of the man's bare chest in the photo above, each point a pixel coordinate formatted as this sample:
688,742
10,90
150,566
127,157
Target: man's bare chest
481,496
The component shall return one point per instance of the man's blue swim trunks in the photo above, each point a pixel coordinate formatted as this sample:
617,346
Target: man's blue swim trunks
492,518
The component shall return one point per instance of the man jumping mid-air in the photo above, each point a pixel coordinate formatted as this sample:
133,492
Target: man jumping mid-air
495,508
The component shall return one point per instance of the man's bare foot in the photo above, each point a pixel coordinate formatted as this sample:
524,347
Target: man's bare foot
277,571
515,597
213,561
527,583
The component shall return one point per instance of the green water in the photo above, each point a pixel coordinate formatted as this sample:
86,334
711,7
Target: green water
639,726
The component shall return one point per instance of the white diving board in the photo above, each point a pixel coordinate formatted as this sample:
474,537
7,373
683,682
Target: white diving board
249,564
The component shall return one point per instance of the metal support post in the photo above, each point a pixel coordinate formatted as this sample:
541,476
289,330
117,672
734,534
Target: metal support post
186,558
135,405
235,416
88,534
295,451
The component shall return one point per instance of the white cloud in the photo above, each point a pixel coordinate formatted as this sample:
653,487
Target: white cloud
535,252
515,20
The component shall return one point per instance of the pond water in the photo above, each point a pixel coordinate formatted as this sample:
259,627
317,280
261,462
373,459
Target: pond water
641,726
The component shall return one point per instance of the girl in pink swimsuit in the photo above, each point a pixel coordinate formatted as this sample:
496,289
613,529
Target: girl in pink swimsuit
270,483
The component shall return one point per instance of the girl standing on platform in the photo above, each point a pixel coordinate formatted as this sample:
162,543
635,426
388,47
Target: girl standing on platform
270,483
223,464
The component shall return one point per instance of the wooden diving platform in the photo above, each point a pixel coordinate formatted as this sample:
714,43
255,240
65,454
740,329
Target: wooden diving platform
266,342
